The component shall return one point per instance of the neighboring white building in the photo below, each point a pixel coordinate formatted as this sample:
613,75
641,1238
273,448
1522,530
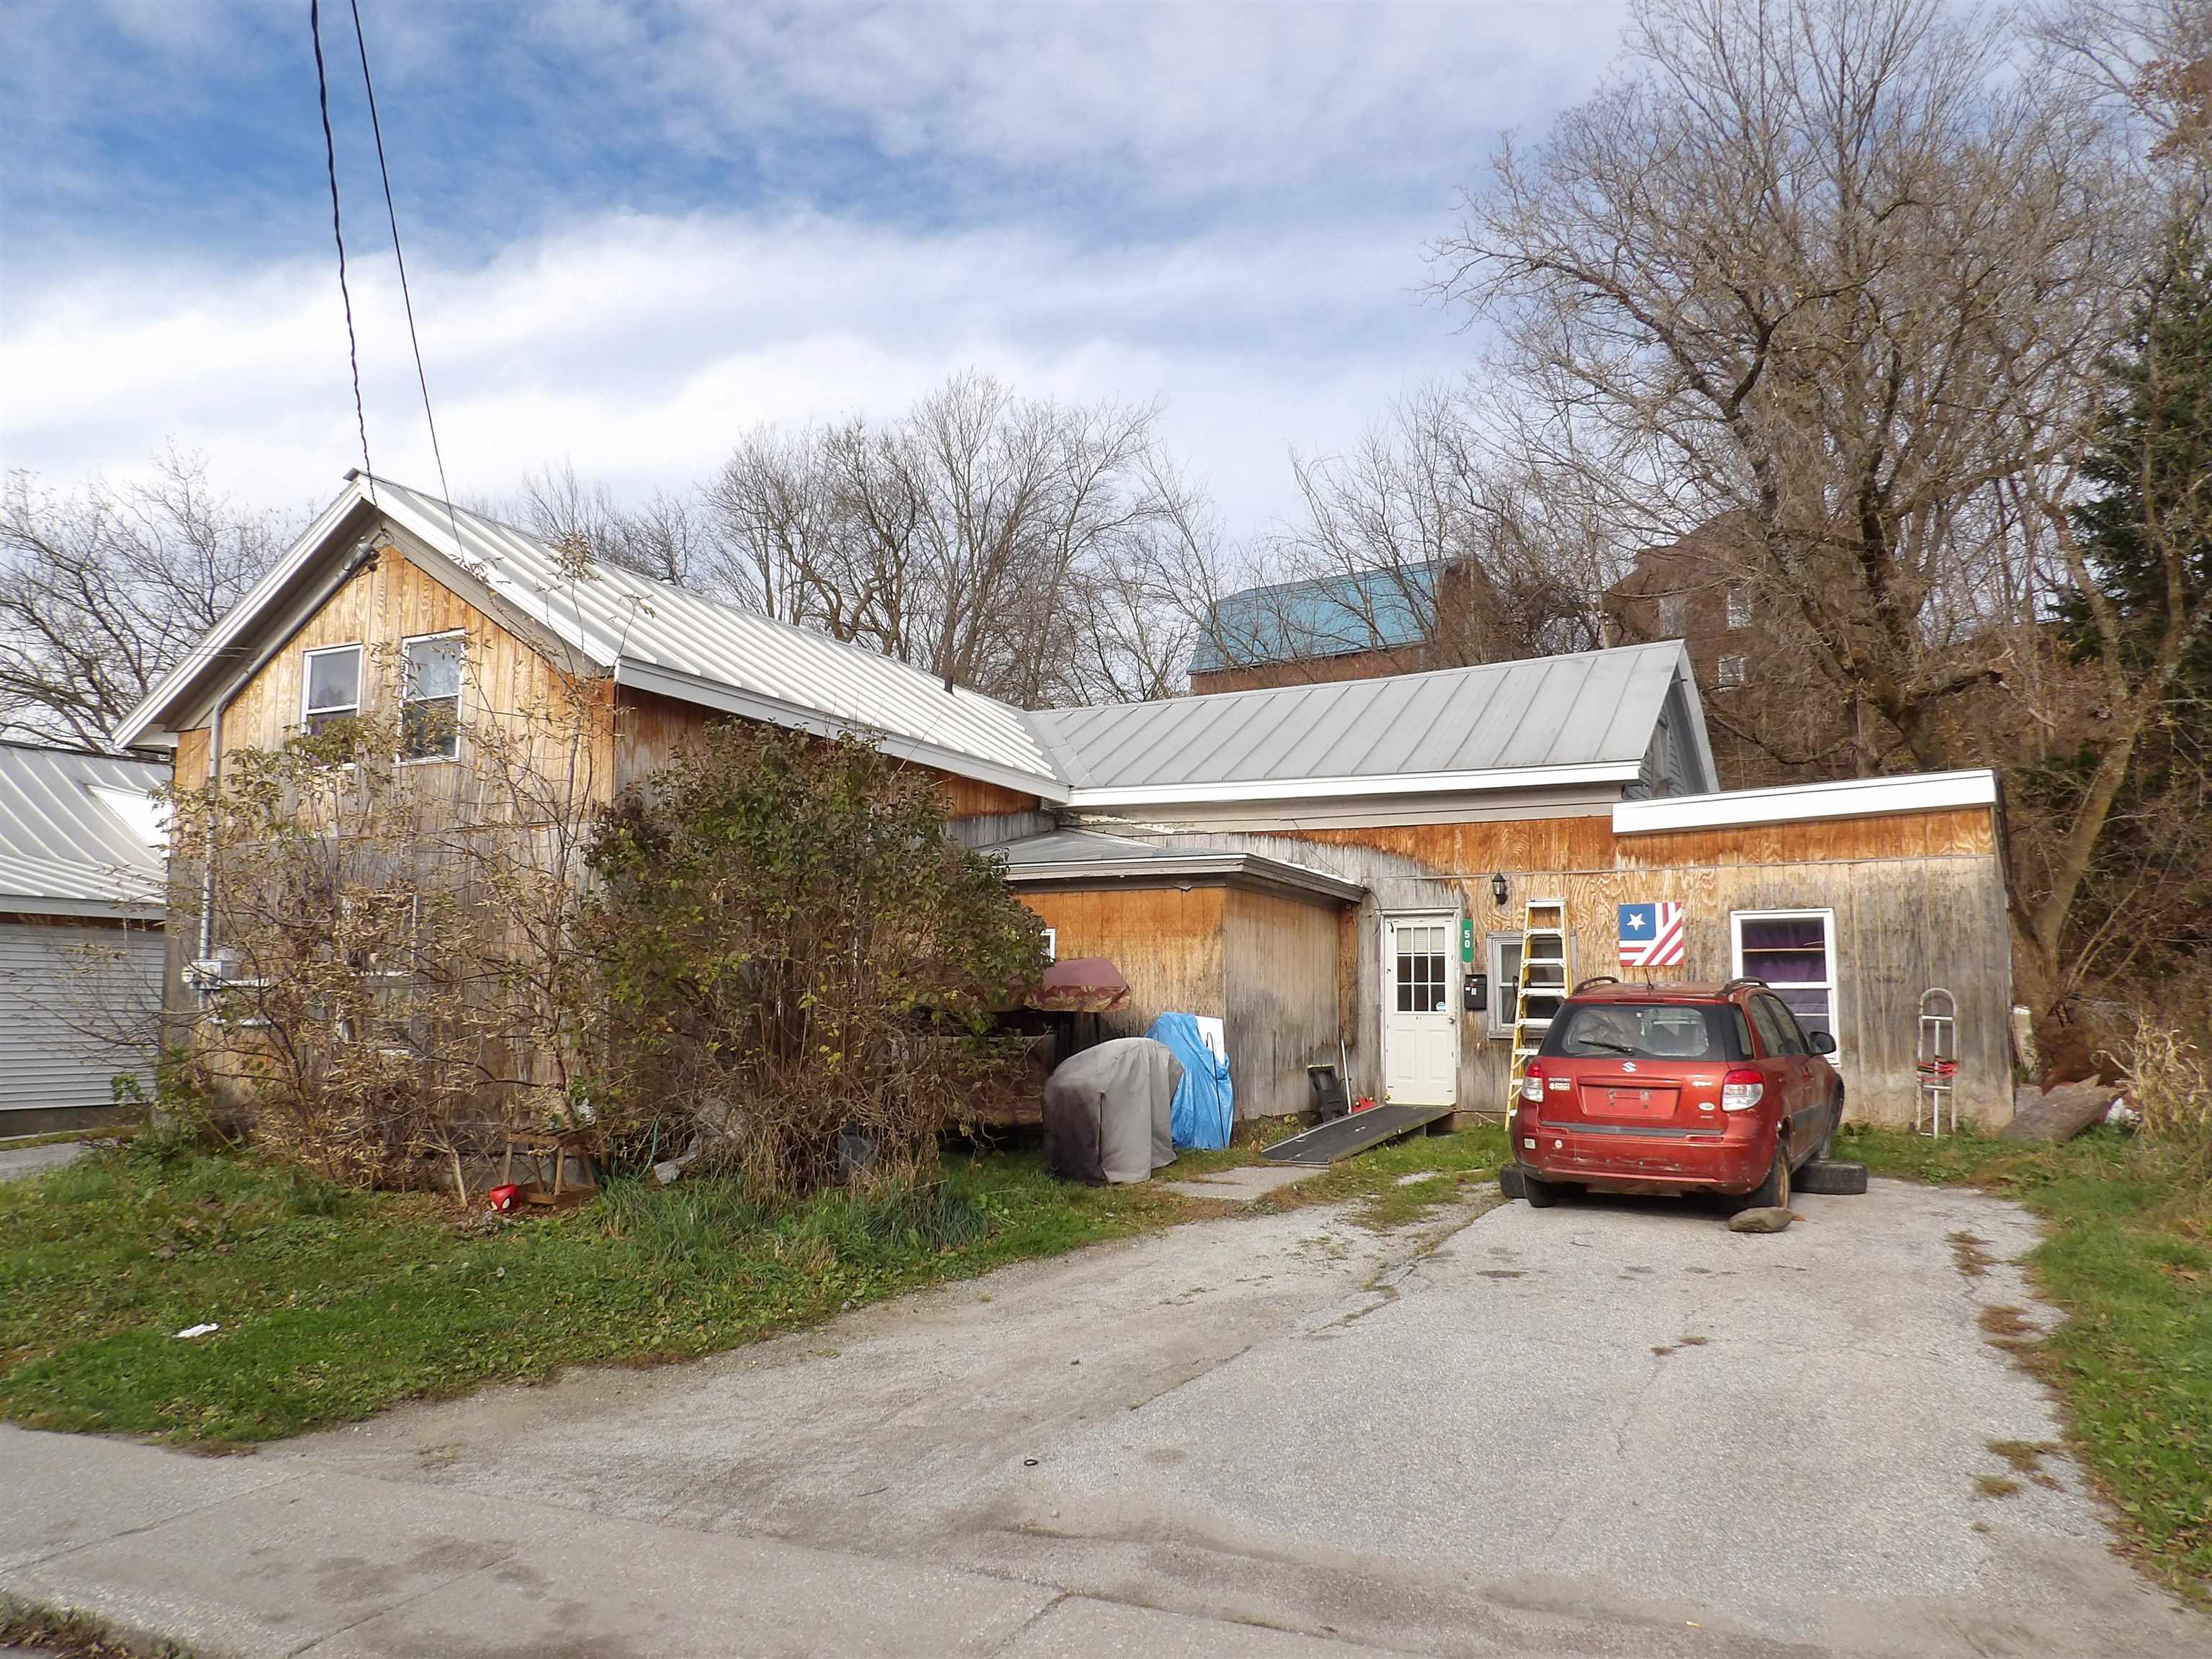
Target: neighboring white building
81,909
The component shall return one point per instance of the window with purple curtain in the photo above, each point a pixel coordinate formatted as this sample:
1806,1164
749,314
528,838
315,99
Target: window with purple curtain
1794,951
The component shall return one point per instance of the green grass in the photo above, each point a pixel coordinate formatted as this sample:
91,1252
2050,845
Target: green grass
2129,1257
334,1304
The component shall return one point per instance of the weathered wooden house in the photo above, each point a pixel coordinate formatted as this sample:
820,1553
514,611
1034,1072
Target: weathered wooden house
1336,871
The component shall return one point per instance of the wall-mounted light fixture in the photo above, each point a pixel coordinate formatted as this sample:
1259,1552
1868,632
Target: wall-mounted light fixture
1498,888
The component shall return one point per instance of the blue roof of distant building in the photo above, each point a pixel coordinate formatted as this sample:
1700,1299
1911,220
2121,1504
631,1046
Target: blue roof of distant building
1328,616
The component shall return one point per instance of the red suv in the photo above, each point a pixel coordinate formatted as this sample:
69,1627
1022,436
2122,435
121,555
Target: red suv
1675,1088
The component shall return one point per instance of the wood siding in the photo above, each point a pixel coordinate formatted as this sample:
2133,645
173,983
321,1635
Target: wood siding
1280,976
1266,964
1167,941
389,601
1918,901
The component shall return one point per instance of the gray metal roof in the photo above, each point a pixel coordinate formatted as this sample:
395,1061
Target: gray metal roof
68,842
1078,855
1586,717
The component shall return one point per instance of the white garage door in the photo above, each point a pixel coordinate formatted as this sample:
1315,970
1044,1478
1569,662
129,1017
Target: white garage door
67,994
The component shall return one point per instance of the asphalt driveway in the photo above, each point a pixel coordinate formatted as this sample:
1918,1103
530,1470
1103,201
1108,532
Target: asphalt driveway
1610,1428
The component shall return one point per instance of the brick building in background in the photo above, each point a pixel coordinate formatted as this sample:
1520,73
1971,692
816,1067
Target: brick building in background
1775,714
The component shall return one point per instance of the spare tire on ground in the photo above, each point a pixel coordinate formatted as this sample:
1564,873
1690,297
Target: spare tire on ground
1833,1175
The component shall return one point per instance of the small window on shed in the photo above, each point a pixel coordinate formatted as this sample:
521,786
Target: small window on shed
331,685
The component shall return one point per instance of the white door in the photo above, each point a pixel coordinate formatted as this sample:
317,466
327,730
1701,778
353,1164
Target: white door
1420,1023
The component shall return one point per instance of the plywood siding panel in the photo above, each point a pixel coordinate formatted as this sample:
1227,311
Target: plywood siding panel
1956,832
971,797
1561,843
191,759
652,730
1280,972
1166,941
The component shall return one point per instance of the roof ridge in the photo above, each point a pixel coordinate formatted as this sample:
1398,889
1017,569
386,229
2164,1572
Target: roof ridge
694,596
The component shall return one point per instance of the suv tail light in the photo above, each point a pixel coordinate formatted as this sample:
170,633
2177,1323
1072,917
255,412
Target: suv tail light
1741,1090
1532,1084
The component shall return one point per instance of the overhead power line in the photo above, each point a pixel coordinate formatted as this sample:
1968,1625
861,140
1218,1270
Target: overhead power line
406,300
338,234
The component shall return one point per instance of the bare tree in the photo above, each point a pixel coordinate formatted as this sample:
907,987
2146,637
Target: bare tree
104,589
1838,267
1844,271
663,537
1432,540
980,536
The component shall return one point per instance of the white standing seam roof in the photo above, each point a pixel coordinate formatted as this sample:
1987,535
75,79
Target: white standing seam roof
67,848
1583,719
1847,797
1084,856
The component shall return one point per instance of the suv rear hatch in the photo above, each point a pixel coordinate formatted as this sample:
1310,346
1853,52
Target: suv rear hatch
1637,1064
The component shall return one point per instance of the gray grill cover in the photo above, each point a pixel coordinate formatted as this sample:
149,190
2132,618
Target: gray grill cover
1106,1112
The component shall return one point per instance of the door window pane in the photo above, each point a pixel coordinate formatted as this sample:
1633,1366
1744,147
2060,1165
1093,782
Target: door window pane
1420,967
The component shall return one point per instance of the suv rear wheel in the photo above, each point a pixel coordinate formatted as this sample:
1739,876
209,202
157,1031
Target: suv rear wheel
1827,1146
1772,1193
1541,1194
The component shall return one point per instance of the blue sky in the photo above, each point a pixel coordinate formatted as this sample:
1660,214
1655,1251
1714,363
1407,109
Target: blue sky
636,228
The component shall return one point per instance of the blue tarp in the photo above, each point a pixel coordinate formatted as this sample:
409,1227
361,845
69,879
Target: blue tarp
1205,1103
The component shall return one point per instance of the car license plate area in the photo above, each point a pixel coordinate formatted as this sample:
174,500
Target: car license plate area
1615,1102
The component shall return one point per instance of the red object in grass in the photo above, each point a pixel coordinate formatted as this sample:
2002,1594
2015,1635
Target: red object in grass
504,1199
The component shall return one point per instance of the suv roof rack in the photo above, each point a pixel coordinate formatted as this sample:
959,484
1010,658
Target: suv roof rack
1595,979
1744,979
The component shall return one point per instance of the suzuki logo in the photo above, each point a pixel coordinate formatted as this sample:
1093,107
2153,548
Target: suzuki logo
1627,1064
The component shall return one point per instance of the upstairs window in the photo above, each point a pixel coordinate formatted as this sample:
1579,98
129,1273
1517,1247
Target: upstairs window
1730,672
1670,614
430,698
1738,607
331,686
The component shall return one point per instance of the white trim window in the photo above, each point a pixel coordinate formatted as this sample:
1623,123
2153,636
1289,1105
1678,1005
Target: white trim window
1794,952
1672,608
430,668
1730,672
1504,954
1739,606
330,686
1052,944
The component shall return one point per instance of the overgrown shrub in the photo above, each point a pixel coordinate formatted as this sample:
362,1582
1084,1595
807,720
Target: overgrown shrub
389,980
2170,1082
797,965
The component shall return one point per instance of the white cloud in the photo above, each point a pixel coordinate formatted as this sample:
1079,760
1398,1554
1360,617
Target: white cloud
1168,100
639,346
